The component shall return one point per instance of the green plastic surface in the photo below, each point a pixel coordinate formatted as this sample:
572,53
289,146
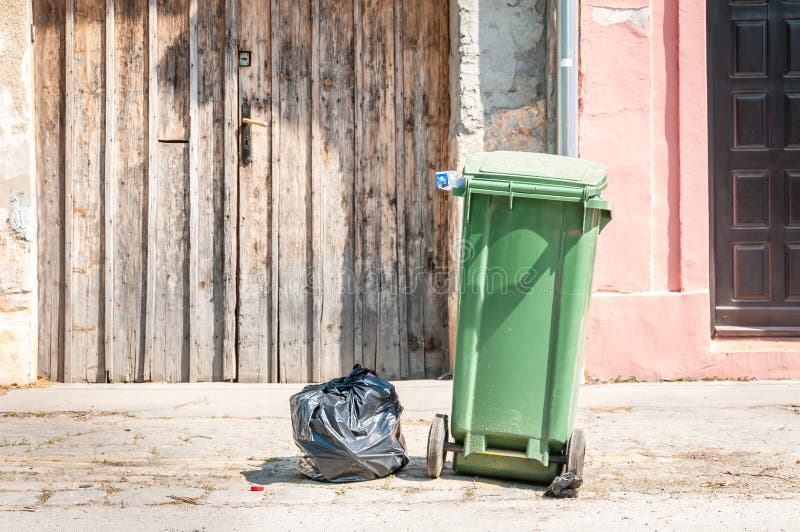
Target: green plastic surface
510,172
526,275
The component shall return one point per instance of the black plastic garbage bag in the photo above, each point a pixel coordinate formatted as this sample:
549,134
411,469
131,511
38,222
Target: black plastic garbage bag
348,429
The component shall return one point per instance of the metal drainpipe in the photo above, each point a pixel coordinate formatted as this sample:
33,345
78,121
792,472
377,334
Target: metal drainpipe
567,15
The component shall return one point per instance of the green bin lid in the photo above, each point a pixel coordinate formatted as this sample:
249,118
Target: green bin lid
528,173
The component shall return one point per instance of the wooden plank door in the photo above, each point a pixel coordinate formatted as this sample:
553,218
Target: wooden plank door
755,130
131,172
166,255
341,248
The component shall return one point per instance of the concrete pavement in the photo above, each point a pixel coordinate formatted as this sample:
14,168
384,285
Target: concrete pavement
182,457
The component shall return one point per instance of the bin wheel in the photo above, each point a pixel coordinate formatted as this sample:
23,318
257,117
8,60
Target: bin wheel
576,451
437,445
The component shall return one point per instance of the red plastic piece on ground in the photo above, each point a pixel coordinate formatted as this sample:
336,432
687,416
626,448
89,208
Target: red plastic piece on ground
256,488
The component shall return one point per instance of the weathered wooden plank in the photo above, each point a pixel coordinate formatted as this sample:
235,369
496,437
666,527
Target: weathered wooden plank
415,138
216,90
415,208
69,170
196,365
359,220
127,177
379,277
274,360
48,19
152,187
109,187
170,336
168,237
206,176
255,320
385,149
454,214
173,70
426,115
291,174
454,221
86,151
231,188
333,198
316,193
435,117
203,157
399,116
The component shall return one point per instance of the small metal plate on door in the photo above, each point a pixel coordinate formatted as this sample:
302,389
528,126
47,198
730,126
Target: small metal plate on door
244,59
245,130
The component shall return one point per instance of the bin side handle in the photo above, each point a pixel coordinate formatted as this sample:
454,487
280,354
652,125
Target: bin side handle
605,208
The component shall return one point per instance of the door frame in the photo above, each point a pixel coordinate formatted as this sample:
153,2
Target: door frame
710,68
716,330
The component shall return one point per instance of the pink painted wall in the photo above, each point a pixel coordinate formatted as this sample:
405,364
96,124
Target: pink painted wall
643,113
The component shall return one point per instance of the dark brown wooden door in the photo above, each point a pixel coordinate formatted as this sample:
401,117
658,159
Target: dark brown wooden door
755,146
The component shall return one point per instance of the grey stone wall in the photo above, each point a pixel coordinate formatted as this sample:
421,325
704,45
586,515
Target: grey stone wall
502,82
17,198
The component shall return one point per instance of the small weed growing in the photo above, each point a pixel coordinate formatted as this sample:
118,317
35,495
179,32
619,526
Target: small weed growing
54,440
14,443
469,491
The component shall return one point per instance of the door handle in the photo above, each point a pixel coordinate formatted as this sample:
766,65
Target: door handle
246,123
252,122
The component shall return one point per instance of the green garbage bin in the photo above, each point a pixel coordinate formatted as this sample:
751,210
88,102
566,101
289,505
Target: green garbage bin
530,229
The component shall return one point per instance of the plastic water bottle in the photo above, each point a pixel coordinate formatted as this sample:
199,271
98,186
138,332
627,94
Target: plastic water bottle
449,179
